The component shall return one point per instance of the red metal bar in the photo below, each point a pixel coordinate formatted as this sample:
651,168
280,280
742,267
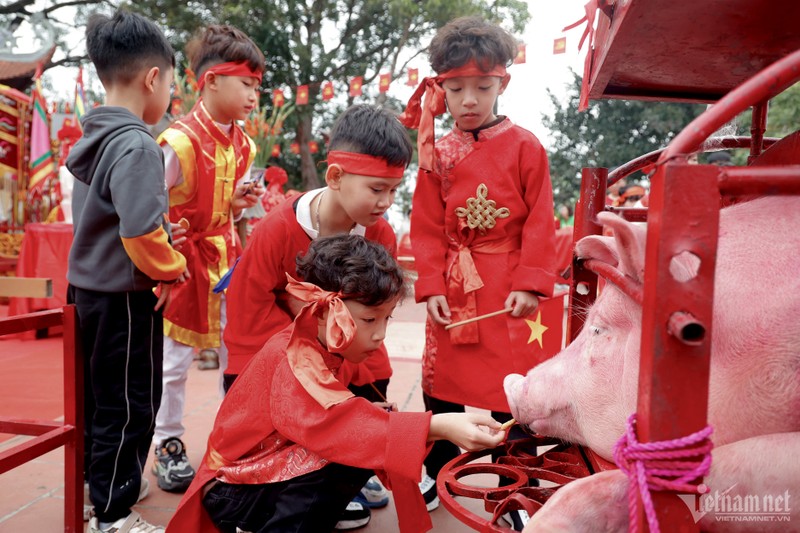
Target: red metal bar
592,201
31,321
771,81
35,447
673,374
758,125
26,427
632,214
771,180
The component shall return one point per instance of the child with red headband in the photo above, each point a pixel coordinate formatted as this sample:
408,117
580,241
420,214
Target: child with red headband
207,159
291,445
368,152
481,226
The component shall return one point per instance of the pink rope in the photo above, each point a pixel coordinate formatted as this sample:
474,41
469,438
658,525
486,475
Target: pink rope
670,465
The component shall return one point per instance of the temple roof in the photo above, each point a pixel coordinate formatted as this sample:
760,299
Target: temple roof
19,74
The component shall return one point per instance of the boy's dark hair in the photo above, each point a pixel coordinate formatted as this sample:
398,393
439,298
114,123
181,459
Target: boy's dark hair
122,46
370,130
361,269
222,44
466,38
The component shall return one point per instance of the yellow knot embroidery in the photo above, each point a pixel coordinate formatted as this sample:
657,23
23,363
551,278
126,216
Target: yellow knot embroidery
481,213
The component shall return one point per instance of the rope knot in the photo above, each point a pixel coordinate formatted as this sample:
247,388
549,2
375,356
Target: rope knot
670,465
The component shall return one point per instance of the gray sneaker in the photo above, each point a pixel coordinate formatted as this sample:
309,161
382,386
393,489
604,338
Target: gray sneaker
171,466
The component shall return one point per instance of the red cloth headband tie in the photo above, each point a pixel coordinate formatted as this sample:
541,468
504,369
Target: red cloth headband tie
418,117
303,350
364,165
239,68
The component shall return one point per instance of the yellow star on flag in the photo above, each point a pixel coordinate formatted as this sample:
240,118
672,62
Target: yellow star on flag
537,329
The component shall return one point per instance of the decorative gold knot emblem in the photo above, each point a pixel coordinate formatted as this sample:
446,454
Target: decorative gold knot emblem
481,213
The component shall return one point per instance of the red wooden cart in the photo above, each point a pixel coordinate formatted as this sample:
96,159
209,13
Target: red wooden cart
737,54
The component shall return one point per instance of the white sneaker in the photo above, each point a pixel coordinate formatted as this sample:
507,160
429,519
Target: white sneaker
88,508
428,489
133,523
354,516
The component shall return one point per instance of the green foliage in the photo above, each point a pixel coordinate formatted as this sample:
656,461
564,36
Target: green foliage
783,116
610,133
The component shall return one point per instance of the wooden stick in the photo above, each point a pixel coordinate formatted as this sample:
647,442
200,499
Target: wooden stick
507,424
475,319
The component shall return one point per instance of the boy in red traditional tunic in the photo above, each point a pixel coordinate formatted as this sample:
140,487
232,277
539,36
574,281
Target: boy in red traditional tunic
207,160
368,153
481,226
291,445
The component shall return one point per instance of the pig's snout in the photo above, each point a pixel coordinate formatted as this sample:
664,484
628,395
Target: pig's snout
514,385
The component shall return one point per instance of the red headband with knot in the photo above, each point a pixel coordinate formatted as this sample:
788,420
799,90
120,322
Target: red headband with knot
303,353
365,165
418,116
238,68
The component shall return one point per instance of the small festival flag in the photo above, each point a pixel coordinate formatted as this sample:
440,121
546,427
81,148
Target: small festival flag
80,98
313,147
294,148
41,164
520,58
413,77
277,98
327,91
276,150
355,86
560,45
385,81
302,95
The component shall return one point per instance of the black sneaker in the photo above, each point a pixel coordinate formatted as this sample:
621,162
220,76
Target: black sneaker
428,488
355,516
517,519
171,466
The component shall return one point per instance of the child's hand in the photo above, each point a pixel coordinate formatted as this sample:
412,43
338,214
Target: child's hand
178,235
185,276
438,309
523,303
246,195
387,406
163,296
470,431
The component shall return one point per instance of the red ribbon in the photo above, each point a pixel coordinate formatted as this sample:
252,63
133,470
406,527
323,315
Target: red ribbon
238,68
303,350
591,9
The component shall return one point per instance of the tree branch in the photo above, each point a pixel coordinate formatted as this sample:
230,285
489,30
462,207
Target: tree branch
56,7
16,7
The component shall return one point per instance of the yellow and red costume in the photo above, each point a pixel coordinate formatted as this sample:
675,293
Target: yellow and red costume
290,413
212,163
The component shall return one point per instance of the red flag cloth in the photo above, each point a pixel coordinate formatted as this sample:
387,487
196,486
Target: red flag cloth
277,98
302,95
41,165
590,9
355,86
327,91
520,57
313,147
413,77
276,150
295,148
560,45
386,80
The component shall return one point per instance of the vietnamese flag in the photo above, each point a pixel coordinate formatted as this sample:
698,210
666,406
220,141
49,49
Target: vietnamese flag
413,77
541,332
385,81
276,150
355,86
302,95
560,45
327,91
520,58
313,147
277,98
295,148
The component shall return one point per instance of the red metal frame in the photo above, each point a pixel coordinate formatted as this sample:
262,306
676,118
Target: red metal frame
49,435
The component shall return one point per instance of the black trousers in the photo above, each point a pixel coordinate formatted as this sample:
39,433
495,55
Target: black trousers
444,451
122,340
311,503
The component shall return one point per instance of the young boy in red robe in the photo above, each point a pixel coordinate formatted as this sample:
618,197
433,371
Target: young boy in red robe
481,226
291,445
368,153
207,158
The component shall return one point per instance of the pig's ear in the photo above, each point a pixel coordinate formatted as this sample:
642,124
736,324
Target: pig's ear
630,239
597,247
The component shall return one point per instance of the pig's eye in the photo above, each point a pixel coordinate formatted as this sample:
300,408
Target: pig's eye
594,330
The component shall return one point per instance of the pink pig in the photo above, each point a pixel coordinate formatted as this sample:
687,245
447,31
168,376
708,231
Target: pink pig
586,393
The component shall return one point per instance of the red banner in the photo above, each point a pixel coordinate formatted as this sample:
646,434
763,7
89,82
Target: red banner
520,58
413,77
355,86
302,95
560,45
385,81
277,98
327,91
